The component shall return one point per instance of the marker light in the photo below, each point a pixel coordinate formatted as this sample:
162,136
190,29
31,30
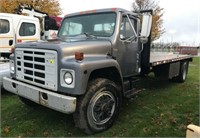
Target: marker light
114,9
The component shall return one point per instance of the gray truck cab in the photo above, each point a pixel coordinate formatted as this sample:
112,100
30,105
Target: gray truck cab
86,70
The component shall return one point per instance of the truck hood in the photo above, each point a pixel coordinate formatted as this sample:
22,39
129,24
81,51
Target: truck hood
69,47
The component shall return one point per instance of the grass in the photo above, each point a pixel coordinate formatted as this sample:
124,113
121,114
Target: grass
162,109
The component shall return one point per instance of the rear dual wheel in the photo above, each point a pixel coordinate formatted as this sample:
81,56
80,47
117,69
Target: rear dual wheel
183,72
98,108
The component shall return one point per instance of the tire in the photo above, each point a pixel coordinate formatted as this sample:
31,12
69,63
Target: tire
98,108
28,102
183,72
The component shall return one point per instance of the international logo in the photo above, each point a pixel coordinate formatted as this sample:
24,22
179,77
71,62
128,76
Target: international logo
51,61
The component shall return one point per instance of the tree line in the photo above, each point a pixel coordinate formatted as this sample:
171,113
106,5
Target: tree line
52,7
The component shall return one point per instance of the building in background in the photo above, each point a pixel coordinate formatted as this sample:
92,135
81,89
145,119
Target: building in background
189,50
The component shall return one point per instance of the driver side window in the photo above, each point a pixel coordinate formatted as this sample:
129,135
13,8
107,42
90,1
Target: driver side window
126,30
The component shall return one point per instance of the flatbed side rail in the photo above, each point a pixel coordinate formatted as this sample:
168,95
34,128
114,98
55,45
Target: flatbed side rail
155,61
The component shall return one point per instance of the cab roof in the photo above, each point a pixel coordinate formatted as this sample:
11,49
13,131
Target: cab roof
16,16
99,11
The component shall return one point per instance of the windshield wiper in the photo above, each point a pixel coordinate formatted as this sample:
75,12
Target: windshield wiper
89,35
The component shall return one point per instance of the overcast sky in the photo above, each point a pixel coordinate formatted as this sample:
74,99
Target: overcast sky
181,17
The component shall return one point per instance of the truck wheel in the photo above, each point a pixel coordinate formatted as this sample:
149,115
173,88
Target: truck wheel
28,102
98,108
183,72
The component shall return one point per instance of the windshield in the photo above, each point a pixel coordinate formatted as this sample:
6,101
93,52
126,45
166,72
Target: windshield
101,24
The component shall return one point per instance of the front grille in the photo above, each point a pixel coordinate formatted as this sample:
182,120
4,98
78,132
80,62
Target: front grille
36,66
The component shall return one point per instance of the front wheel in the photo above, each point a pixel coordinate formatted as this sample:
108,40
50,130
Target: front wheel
99,107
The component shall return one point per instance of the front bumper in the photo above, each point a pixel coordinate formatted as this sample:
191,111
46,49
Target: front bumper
59,102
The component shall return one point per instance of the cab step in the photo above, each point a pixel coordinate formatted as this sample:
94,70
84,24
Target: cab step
131,87
132,93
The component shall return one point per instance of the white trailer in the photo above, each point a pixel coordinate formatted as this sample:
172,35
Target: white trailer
4,71
20,28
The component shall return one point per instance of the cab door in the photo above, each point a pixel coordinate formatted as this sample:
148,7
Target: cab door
28,30
128,46
7,37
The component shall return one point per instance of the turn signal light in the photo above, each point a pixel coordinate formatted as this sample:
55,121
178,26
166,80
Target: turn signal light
79,56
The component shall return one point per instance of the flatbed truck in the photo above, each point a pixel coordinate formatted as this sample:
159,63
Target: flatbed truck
96,61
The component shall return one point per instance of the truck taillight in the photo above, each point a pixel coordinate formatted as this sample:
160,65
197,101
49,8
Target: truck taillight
19,40
79,56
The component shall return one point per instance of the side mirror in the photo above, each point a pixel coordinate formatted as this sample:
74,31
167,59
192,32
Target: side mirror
146,27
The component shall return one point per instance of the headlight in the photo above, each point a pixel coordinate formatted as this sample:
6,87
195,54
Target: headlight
68,78
12,69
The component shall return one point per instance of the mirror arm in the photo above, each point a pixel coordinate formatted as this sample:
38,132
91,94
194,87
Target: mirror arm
141,48
143,39
127,40
130,38
132,26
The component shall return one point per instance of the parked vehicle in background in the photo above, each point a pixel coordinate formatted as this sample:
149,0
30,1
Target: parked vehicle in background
4,71
16,28
20,28
95,62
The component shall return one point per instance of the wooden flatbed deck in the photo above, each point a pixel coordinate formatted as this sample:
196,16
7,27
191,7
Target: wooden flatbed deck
158,58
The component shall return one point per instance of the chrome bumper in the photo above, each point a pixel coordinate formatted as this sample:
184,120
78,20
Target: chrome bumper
59,102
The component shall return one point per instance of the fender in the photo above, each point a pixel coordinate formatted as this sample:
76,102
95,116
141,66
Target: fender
83,70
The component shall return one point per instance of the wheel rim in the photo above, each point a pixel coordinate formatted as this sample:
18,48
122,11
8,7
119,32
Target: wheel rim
102,107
